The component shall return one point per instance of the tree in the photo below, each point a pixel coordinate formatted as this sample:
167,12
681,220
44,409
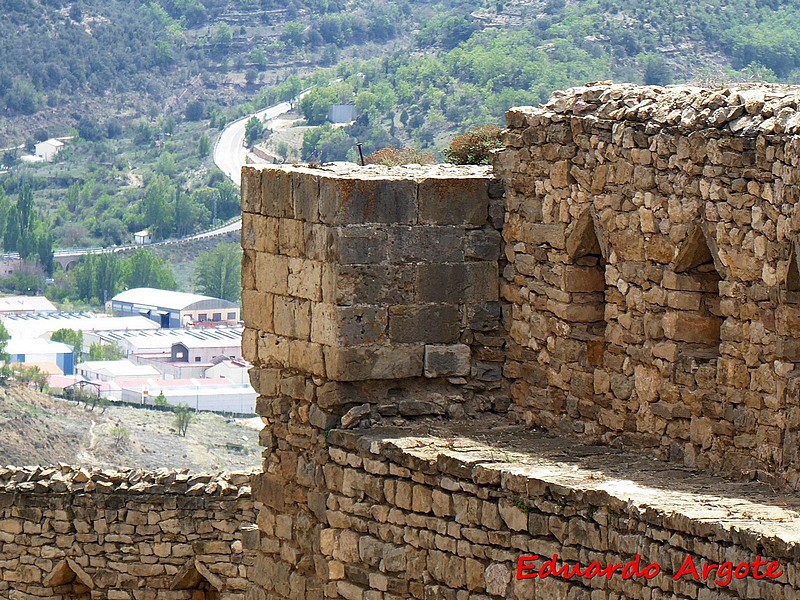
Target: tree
183,416
219,273
204,146
100,351
195,110
3,342
160,400
253,130
120,435
145,269
71,337
326,143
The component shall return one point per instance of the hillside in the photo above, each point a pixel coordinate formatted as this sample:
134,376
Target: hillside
39,429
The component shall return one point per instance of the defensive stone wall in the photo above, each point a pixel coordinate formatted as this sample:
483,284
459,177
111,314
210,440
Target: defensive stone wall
69,533
651,239
644,299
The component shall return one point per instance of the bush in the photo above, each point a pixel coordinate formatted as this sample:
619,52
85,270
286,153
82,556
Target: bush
474,147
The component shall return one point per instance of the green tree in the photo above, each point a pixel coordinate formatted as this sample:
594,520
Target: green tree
145,269
3,342
253,130
160,400
204,146
326,143
72,338
218,273
183,416
100,351
120,435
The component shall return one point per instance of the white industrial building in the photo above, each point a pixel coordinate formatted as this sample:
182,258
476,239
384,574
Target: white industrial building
174,309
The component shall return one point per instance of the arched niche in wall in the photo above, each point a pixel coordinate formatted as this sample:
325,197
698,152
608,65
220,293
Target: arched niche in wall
196,577
67,577
693,318
585,281
787,314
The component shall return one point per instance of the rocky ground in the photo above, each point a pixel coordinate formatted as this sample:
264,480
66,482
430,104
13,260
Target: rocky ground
37,429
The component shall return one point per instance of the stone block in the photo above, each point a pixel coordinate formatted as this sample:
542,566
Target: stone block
307,357
276,193
583,279
362,324
305,279
272,273
292,317
426,244
259,310
353,201
291,237
457,283
372,284
361,245
693,328
360,363
305,195
251,190
454,201
427,323
483,244
447,360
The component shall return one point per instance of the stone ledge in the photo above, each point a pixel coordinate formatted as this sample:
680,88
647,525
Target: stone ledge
538,465
68,479
745,109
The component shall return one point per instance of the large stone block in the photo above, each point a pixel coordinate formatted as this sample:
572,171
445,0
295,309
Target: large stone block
361,245
272,273
429,323
305,195
360,363
292,317
276,193
447,360
426,244
353,201
371,284
693,328
454,201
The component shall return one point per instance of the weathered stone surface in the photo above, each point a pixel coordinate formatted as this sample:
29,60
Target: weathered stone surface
447,360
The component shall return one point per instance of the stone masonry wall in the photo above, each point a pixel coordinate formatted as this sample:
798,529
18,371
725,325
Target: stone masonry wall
651,239
69,533
448,516
370,295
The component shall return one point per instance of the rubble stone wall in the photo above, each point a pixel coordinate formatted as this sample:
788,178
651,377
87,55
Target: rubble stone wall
434,517
652,267
68,533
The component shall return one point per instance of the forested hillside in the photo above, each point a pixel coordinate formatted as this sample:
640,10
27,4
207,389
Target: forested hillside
144,87
467,68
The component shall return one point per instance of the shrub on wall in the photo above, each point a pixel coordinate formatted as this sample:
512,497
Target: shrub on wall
474,146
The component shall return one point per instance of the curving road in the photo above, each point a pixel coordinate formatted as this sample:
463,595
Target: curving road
230,151
230,155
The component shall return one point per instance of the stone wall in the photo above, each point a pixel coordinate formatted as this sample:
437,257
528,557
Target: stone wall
69,533
449,516
644,299
652,266
370,295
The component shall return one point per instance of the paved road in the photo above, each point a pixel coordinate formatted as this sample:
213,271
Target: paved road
230,152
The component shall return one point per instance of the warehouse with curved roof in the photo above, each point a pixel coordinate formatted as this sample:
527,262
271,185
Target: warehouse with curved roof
175,309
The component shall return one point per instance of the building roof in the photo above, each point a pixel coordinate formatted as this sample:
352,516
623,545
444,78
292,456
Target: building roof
150,298
36,346
53,142
26,303
162,340
117,368
39,324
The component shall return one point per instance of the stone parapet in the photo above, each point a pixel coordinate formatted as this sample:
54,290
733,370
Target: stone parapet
650,237
68,532
447,512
